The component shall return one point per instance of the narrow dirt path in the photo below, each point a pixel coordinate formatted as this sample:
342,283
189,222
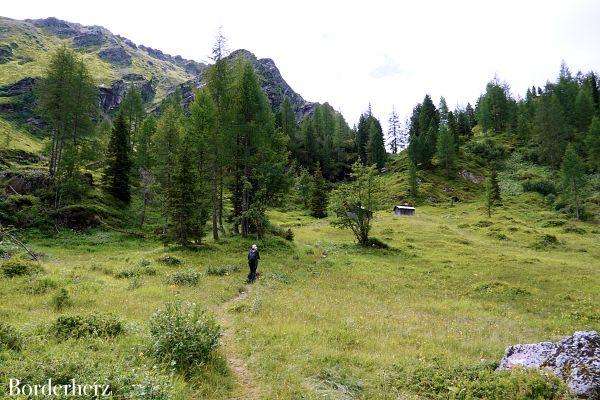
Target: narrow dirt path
244,377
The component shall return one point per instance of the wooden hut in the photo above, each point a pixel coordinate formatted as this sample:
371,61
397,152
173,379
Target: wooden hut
404,210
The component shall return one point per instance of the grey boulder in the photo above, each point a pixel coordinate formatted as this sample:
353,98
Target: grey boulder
575,360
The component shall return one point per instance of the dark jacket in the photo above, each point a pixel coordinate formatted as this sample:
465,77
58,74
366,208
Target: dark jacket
253,255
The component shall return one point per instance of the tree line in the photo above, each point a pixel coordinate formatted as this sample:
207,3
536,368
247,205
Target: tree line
228,151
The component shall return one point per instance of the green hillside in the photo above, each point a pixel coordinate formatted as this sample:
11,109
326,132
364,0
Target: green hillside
28,45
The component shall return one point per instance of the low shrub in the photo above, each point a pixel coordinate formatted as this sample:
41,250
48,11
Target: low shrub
286,234
222,270
10,338
125,379
41,285
136,271
170,260
487,149
80,326
541,186
546,241
19,267
22,211
499,289
61,300
435,380
377,244
187,277
184,336
574,229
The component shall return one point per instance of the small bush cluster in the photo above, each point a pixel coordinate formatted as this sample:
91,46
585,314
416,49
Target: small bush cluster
185,336
500,289
487,149
438,381
186,277
126,381
136,271
546,241
222,270
286,234
61,300
10,338
541,186
80,326
169,260
41,285
19,267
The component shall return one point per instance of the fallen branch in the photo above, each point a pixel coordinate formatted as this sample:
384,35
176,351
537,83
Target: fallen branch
14,239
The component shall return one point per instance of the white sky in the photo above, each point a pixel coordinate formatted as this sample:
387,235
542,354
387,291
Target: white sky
350,53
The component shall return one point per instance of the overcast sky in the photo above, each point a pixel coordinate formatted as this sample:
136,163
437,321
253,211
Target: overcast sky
350,53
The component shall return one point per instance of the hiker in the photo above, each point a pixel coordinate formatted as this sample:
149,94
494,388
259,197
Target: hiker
253,258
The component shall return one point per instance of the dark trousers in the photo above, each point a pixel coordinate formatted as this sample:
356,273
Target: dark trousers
253,264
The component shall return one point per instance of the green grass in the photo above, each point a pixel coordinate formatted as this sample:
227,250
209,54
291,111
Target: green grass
328,319
13,138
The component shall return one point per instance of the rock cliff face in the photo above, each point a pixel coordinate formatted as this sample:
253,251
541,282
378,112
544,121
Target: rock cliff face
273,84
123,64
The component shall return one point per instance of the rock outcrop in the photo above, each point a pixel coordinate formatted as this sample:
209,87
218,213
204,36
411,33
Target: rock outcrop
116,55
575,359
273,84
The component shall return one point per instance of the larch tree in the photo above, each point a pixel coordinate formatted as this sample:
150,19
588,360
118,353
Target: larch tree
318,195
573,178
592,142
132,108
394,133
202,131
445,149
258,165
67,99
219,84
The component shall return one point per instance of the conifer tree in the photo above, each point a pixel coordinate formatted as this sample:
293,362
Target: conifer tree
118,168
376,154
550,130
573,178
202,132
445,149
362,138
142,144
258,167
394,133
220,81
413,184
584,109
132,108
318,195
188,208
595,92
165,148
592,142
495,108
495,187
67,99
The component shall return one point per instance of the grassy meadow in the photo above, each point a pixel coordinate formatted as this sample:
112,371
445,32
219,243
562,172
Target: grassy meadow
326,319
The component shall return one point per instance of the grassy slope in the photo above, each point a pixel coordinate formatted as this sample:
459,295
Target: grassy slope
13,138
328,318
